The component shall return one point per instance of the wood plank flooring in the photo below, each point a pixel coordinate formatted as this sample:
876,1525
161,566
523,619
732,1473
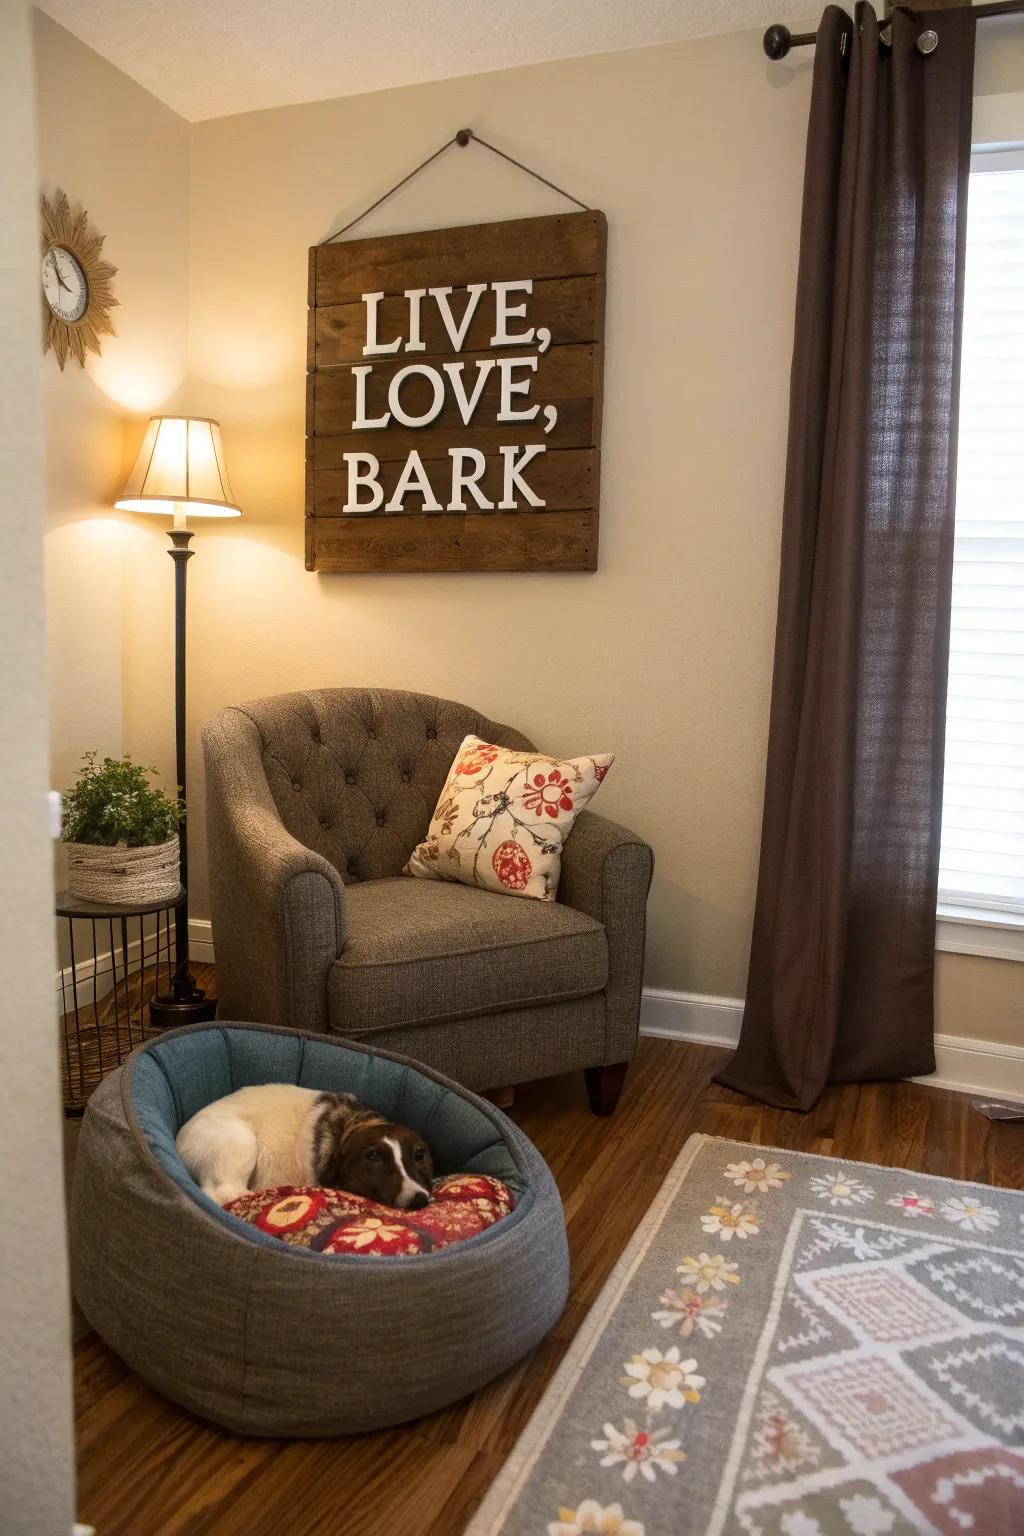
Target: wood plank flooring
146,1468
99,1028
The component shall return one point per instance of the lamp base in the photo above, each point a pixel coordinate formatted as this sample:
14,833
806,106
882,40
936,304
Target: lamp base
170,1012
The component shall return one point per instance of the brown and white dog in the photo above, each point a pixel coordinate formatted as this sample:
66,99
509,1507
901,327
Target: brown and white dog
276,1133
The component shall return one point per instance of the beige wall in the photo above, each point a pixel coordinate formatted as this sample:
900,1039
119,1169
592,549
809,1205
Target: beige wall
664,654
694,151
979,997
125,157
36,1476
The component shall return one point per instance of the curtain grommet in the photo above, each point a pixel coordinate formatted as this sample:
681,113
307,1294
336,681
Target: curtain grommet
927,41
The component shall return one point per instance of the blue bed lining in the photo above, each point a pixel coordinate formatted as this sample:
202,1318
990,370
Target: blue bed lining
173,1079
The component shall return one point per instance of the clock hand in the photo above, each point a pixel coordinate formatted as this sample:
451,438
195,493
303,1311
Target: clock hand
60,281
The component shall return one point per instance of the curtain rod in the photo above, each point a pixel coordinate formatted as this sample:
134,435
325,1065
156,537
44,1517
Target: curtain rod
778,40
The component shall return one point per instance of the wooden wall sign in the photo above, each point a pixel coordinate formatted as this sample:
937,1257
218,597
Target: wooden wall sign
453,402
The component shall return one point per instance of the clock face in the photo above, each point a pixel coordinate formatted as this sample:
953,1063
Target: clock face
65,287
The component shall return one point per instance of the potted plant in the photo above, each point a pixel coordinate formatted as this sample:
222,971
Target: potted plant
121,833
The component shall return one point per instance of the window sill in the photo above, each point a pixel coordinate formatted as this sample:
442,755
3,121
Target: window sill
975,931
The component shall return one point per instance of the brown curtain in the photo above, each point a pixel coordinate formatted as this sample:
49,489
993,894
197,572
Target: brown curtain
841,970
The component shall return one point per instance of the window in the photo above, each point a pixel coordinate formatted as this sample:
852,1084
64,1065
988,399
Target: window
982,863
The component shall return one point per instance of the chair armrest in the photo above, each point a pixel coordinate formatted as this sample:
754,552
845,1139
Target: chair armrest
278,907
606,873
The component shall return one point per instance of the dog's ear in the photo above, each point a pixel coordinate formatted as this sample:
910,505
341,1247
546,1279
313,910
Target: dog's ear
340,1161
332,1123
328,1170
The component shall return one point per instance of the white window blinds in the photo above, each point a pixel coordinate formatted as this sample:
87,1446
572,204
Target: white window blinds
982,864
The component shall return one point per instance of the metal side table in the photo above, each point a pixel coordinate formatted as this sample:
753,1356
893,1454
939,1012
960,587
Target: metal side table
113,959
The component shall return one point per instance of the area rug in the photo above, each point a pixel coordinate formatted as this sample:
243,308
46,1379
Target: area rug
789,1346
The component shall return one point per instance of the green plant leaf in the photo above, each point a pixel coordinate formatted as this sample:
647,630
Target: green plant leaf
113,802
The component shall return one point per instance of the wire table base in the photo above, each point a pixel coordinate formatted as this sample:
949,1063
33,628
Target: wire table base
114,959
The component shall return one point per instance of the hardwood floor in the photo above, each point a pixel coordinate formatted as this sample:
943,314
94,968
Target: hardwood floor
148,1469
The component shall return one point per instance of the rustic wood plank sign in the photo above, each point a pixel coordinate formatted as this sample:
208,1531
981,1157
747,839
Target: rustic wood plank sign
453,399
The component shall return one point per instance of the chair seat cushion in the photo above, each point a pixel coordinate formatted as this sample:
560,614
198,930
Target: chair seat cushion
420,950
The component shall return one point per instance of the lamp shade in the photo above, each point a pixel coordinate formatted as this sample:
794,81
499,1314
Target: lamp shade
180,469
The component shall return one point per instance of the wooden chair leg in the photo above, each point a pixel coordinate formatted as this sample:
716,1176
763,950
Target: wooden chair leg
604,1084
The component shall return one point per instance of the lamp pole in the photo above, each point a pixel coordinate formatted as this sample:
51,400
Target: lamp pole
185,1003
180,469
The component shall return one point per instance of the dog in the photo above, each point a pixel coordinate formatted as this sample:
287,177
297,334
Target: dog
262,1137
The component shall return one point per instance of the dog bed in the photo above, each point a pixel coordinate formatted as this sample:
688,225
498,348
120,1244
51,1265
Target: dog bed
334,1221
266,1338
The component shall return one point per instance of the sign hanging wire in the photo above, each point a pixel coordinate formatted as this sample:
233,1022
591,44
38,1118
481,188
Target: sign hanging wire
463,137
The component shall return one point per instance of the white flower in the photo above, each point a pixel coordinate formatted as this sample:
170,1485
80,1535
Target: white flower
708,1326
840,1189
662,1380
799,1524
969,1214
724,1220
757,1175
912,1204
639,1450
705,1273
592,1519
867,1516
690,1311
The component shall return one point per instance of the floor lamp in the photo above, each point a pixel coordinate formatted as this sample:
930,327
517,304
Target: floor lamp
180,472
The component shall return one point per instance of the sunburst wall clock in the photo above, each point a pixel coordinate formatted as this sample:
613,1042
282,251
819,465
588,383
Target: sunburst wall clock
77,296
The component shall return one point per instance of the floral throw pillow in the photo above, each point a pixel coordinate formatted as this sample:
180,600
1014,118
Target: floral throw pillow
503,816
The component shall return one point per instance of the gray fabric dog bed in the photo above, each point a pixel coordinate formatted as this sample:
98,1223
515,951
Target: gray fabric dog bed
267,1339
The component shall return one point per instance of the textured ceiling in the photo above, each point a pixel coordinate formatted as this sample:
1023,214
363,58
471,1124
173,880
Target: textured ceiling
208,58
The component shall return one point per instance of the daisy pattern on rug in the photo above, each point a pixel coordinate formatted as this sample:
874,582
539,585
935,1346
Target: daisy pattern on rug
593,1519
911,1243
708,1272
756,1175
841,1188
725,1221
637,1450
912,1204
970,1214
662,1380
688,1310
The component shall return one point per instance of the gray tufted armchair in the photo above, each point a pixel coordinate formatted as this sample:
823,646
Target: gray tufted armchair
314,802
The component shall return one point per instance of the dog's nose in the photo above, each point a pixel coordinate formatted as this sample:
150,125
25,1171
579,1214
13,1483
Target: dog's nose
419,1201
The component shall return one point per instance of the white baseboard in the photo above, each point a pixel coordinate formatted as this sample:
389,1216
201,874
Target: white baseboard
962,1064
977,1066
691,1016
200,940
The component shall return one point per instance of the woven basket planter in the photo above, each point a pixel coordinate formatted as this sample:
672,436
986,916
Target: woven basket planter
121,875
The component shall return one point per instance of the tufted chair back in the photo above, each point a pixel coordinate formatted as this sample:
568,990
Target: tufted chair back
356,772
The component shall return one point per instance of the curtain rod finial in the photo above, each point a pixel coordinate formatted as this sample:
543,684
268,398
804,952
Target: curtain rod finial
776,41
463,137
